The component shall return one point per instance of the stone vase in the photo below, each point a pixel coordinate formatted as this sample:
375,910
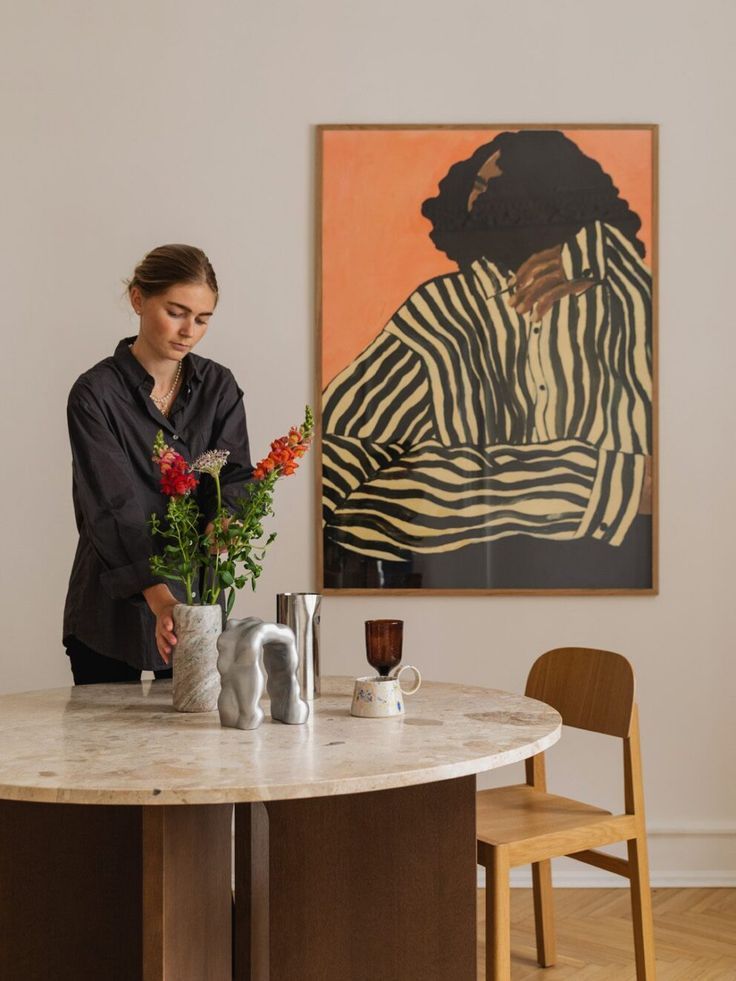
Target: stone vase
196,678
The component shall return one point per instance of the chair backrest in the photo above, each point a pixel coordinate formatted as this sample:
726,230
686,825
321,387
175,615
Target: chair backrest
591,689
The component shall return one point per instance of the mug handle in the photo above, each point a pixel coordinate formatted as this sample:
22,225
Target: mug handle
397,672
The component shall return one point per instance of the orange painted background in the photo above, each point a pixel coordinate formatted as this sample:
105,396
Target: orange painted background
375,243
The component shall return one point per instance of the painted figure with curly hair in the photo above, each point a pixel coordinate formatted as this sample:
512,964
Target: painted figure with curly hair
497,433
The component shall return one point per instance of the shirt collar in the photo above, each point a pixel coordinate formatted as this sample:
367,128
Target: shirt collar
137,375
491,279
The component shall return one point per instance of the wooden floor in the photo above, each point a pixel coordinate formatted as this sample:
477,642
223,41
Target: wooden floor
695,935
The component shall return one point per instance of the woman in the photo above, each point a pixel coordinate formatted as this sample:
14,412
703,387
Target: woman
118,616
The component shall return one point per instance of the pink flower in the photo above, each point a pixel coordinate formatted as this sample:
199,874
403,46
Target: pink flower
176,476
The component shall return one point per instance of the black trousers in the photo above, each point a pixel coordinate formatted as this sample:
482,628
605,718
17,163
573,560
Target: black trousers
90,668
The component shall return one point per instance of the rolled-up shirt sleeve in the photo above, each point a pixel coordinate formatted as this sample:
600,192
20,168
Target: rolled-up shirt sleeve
230,433
106,503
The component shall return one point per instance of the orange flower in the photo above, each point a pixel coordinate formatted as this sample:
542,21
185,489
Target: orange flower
285,451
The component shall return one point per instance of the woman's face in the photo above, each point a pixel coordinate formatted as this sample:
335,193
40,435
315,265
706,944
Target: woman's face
174,322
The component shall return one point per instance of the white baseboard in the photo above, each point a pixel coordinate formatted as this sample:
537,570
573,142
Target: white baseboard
596,879
704,830
712,879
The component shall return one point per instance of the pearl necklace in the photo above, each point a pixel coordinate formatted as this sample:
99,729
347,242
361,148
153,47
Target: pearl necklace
162,401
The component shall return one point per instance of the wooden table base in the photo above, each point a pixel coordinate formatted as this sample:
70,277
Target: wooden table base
344,888
358,887
120,893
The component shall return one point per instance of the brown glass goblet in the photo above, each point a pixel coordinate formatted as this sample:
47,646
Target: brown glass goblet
383,642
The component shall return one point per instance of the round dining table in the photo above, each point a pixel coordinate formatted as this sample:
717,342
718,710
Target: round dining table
137,842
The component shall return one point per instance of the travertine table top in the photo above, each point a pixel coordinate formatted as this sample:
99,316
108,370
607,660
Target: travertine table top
125,744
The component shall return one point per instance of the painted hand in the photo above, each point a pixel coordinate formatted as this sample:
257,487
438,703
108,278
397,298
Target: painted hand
540,282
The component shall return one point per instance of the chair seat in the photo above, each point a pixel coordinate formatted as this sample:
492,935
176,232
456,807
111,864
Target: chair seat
511,814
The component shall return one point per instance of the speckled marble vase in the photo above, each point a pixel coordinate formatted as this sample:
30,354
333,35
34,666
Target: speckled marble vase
196,679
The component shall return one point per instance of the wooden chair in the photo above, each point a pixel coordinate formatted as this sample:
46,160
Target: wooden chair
519,825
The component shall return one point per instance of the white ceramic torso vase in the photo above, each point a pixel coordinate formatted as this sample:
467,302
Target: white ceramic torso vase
196,679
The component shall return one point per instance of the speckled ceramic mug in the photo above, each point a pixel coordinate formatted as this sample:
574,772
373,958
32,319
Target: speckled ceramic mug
382,698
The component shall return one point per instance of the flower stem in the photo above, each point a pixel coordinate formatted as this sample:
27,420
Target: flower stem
218,517
188,579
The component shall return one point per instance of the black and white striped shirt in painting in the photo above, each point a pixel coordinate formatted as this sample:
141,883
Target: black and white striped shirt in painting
464,421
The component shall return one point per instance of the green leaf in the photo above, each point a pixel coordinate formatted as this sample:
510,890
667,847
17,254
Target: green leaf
230,602
226,577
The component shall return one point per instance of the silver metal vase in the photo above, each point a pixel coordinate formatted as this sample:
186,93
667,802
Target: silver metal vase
301,612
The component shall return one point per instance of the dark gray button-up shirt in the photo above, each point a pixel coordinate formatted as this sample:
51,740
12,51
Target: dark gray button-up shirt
115,485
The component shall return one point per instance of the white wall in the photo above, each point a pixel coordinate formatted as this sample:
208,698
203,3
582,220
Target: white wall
132,124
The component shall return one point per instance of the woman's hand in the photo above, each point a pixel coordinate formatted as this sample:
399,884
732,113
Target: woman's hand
162,601
210,528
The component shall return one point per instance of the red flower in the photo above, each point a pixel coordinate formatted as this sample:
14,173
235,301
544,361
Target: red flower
177,482
176,477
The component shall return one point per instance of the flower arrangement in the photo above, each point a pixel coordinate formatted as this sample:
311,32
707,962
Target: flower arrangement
230,552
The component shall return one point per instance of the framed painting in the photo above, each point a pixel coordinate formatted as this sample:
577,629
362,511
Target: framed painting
487,350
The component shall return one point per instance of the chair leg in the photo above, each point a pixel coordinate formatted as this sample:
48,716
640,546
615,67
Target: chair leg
641,909
544,914
498,917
